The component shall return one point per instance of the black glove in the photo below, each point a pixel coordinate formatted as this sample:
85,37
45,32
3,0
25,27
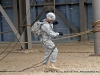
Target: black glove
60,33
55,22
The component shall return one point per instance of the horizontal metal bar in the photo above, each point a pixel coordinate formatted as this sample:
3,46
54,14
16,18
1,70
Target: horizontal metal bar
24,25
88,2
7,7
47,4
22,42
43,4
66,21
6,32
41,13
61,28
51,4
9,22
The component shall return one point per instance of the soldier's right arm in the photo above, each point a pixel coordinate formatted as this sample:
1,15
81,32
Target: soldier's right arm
46,28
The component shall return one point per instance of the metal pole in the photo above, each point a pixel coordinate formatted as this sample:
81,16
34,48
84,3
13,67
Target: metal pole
54,6
22,14
15,10
28,23
68,17
83,19
65,20
96,17
11,25
0,25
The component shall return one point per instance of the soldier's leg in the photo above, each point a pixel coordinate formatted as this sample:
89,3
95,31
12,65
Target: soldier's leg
53,60
46,55
46,58
50,47
54,55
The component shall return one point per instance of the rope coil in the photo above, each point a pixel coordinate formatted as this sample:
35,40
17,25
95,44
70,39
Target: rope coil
96,30
95,23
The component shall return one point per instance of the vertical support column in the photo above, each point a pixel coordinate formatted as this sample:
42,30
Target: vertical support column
54,6
22,15
83,19
0,27
28,23
11,25
68,17
15,13
0,23
96,19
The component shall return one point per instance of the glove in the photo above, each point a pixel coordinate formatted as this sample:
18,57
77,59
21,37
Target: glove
55,22
60,33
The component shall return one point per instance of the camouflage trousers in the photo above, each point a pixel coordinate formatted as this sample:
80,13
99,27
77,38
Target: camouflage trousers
50,51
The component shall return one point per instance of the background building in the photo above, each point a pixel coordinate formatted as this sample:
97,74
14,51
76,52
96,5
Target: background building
73,16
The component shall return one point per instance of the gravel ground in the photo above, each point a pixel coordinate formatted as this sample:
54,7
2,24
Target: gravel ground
73,59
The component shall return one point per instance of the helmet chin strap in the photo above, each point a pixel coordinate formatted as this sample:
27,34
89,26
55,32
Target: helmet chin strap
50,21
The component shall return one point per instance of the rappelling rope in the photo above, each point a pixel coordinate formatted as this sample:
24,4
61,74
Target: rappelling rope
76,34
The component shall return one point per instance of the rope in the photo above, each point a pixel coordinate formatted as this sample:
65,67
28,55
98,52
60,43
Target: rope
95,23
37,65
77,34
11,51
96,30
34,66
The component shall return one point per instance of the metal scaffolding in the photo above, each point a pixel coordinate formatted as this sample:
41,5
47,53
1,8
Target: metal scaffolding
21,9
23,35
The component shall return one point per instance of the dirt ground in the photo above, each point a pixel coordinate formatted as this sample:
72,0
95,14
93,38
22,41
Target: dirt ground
73,59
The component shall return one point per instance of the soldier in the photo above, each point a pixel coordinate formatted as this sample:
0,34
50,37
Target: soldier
49,47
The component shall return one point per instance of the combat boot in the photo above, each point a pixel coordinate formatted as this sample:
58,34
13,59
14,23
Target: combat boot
52,67
45,67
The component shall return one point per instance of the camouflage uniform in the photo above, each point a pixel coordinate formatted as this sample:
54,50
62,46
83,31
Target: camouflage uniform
47,33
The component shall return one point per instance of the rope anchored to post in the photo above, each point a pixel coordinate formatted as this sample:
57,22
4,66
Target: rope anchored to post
76,34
